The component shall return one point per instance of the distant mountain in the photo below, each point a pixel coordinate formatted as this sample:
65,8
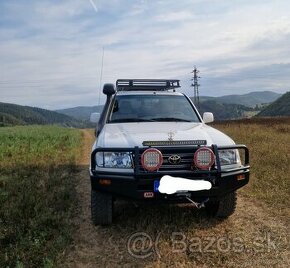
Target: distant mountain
81,112
280,107
250,99
13,114
223,111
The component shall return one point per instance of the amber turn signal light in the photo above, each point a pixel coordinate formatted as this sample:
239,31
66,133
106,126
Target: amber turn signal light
105,182
241,177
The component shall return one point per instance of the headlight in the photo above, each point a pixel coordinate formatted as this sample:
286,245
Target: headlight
229,157
114,159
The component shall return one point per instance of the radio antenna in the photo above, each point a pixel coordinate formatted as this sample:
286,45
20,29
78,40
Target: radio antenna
101,75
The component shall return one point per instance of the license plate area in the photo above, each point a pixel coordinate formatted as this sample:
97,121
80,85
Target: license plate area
156,185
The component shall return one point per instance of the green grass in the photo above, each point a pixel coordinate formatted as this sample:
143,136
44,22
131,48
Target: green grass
37,193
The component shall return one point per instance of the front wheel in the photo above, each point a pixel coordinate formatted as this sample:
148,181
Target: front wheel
101,208
222,208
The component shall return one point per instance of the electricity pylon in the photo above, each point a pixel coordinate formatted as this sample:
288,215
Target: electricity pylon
195,86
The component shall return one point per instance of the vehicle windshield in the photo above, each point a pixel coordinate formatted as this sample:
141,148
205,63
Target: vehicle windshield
152,108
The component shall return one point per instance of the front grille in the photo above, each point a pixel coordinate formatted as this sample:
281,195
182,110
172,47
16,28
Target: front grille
184,165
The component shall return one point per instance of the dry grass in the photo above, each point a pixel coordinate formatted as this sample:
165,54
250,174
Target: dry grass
255,236
268,142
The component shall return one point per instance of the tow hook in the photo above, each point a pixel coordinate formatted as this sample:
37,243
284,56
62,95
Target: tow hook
197,205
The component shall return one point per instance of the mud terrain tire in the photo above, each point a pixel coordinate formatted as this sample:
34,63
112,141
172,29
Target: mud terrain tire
101,208
222,208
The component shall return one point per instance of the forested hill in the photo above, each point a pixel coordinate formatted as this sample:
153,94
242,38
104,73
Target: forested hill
13,114
250,99
81,112
280,107
224,111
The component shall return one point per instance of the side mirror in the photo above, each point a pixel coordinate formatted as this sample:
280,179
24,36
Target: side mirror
95,117
208,117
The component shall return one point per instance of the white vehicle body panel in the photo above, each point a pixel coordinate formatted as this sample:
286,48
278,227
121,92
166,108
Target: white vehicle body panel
121,135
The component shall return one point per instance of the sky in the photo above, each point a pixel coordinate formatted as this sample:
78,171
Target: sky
51,51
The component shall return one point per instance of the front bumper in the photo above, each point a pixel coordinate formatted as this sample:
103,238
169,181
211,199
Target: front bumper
139,185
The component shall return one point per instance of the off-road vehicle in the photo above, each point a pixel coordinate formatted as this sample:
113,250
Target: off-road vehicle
152,145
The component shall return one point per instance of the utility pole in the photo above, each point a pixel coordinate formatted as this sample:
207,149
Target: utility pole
195,86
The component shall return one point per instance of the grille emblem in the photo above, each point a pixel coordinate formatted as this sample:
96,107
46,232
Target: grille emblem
174,159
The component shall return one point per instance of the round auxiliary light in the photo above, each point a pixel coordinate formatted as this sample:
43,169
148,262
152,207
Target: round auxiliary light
151,159
204,158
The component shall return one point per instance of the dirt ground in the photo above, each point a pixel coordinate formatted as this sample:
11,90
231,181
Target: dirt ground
176,236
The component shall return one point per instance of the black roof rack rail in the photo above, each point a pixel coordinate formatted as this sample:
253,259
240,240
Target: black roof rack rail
146,84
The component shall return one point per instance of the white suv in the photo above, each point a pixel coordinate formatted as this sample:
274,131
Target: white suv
152,145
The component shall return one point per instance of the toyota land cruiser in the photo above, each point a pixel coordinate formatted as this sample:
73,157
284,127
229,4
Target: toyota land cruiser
152,145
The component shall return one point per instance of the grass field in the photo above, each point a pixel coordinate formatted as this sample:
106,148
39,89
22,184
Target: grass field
268,142
38,197
257,235
37,193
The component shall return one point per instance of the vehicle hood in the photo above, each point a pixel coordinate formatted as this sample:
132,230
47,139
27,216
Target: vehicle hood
133,134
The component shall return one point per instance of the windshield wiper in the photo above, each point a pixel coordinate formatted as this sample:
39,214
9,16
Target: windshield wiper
159,119
170,119
124,120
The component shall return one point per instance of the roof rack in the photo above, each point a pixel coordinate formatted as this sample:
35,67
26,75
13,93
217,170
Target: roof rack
146,84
